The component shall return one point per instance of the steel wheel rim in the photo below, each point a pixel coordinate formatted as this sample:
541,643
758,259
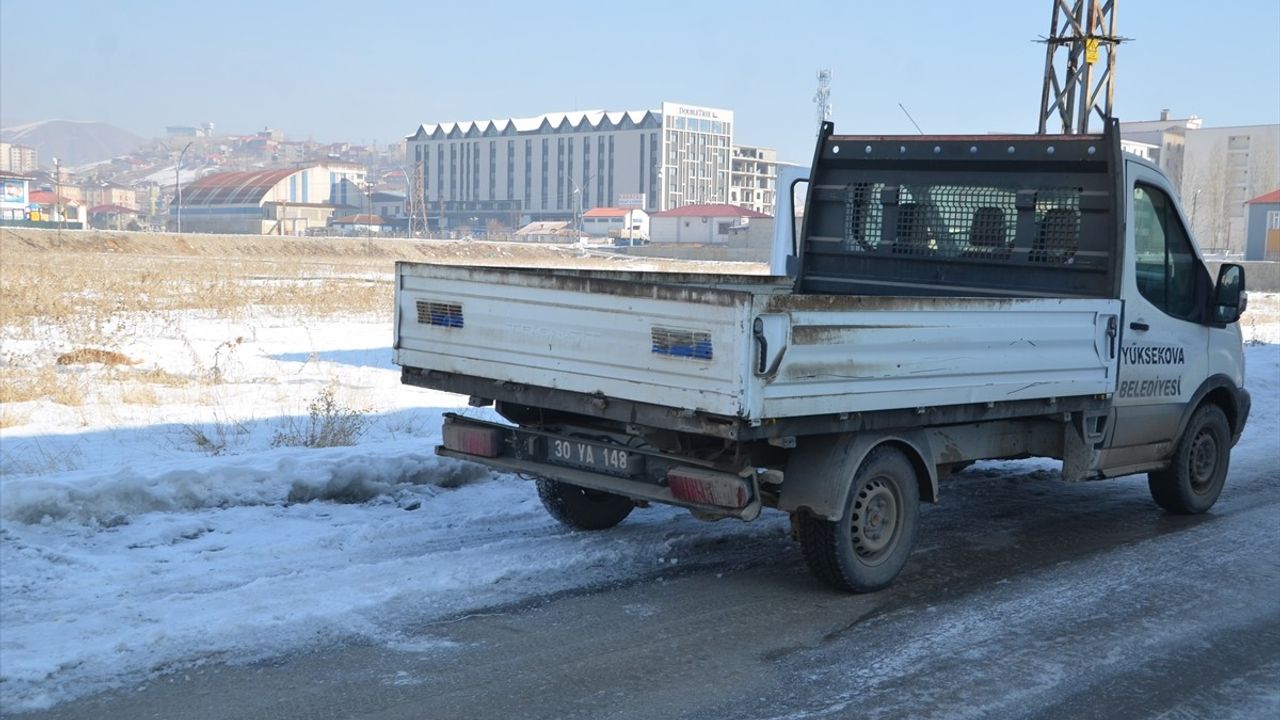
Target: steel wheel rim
1203,461
876,522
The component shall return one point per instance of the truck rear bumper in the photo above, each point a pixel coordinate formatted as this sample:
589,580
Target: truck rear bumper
662,479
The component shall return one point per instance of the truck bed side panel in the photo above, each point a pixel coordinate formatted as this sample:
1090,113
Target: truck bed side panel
864,354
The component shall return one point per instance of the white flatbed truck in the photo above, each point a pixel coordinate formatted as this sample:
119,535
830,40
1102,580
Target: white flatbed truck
949,299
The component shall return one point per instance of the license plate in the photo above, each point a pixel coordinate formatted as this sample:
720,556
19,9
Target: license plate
608,459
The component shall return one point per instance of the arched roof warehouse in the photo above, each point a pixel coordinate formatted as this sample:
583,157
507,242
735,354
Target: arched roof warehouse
248,187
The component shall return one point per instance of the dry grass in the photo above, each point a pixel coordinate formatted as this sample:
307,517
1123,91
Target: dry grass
24,384
79,295
329,423
12,418
1261,322
137,394
158,376
89,356
92,291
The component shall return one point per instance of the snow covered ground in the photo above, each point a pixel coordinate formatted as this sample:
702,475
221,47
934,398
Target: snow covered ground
136,537
160,526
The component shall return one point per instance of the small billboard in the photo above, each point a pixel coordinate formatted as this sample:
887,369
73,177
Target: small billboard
13,192
631,200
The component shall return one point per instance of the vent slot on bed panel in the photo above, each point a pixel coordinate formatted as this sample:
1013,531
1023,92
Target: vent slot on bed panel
674,342
442,314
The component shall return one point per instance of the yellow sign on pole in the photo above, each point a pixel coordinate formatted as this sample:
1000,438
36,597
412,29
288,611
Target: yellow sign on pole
1091,50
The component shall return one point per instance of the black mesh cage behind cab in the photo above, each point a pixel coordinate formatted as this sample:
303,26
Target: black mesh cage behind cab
950,216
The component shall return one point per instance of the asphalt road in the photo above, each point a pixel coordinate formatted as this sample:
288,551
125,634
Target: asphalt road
1026,598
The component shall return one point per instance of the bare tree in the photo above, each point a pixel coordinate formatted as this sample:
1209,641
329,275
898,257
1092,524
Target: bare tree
1264,170
1204,197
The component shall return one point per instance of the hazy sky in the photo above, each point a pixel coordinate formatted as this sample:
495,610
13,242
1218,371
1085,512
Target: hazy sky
374,71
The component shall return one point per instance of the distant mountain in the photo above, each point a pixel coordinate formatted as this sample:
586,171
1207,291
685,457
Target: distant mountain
73,142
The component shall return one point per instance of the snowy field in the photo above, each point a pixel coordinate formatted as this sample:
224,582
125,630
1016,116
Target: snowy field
232,488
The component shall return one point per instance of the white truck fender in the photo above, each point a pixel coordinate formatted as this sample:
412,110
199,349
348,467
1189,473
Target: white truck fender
819,473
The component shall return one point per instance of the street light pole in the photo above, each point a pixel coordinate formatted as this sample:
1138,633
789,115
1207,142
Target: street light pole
57,193
408,195
177,177
577,202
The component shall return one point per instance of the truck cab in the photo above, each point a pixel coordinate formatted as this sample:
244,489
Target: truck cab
1180,344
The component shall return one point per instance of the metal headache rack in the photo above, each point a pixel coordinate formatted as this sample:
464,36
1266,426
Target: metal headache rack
962,215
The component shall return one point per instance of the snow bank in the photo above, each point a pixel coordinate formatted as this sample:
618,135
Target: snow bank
290,476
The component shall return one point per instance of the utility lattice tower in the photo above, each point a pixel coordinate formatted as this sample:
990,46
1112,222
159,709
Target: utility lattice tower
822,98
1083,30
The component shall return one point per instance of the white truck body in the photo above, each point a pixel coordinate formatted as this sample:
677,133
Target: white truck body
948,299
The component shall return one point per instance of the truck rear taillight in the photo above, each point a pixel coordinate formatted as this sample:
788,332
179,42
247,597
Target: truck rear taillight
481,441
706,487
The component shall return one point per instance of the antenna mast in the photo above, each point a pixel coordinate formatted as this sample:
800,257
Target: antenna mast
1083,30
822,98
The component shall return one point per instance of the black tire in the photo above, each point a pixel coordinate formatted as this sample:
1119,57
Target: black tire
583,509
868,546
1198,468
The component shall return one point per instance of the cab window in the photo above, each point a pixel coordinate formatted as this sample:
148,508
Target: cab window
1165,263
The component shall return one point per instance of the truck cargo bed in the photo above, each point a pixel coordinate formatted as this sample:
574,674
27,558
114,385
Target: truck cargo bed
692,342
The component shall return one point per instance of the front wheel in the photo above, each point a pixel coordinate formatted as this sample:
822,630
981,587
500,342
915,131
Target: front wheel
580,508
1198,469
868,546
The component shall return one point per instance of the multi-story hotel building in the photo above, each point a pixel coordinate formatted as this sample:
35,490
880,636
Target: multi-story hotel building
559,165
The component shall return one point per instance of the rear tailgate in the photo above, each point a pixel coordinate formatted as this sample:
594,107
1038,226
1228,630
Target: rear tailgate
598,333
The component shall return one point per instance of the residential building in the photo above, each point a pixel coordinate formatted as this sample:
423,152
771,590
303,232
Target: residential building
46,206
1146,151
1168,138
707,224
19,159
114,217
390,206
285,201
559,165
1262,230
108,193
1214,169
182,132
1225,167
546,231
351,187
753,181
617,223
360,223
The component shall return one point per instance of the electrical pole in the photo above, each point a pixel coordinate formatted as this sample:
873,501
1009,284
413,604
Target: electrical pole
177,178
57,193
1083,30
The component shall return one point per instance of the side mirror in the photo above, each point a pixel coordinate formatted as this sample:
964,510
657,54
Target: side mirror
1229,297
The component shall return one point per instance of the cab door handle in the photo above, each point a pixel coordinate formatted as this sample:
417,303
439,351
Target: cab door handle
1140,326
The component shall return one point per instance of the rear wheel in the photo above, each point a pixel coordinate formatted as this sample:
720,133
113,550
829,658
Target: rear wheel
868,546
581,508
1198,469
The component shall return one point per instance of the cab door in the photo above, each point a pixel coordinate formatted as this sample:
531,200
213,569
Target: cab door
1164,336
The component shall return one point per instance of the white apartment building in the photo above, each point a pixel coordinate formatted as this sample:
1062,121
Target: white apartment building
1216,169
1168,138
18,158
558,165
1224,168
753,178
